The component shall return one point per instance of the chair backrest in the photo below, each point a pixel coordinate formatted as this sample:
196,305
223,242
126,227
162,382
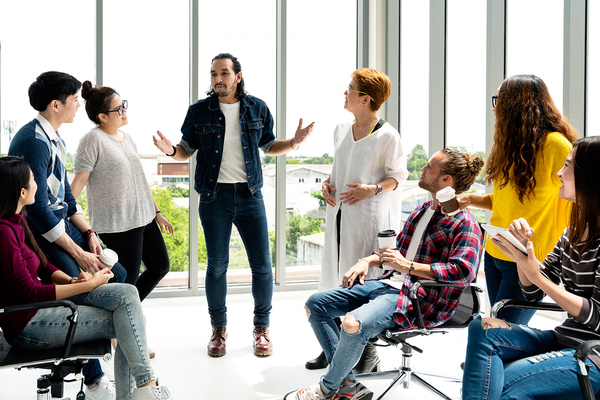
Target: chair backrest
468,307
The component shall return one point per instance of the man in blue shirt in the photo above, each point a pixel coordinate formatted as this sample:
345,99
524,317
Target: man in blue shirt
226,129
56,220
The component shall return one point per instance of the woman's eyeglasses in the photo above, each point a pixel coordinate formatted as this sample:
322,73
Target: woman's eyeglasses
494,101
119,110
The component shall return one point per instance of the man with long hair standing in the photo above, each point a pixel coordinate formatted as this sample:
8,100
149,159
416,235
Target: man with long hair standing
227,129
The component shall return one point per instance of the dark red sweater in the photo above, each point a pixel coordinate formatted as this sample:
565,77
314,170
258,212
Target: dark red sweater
19,271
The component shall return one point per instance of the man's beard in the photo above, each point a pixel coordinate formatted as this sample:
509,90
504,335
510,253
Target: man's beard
226,92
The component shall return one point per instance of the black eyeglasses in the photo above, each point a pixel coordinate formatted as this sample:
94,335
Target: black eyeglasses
494,101
119,110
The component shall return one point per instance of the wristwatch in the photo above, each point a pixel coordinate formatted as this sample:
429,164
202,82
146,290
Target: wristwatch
379,189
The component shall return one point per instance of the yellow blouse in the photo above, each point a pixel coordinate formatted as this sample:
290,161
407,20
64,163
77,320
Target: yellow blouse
545,212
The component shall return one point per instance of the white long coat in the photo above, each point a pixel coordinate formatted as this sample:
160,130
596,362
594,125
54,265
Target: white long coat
368,161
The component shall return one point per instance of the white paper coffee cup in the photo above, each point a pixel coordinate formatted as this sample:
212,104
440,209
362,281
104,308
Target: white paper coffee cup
447,199
387,240
109,258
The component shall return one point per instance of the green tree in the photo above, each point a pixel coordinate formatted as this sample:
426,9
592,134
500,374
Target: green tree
178,242
319,196
417,159
70,162
178,192
297,225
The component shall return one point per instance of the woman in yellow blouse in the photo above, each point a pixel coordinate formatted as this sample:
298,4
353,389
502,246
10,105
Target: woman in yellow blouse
531,142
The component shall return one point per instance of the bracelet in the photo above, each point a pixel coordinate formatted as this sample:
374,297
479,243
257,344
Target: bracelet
89,232
292,145
411,268
71,281
363,259
174,152
158,212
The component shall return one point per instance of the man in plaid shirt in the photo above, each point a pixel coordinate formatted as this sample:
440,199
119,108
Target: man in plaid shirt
431,246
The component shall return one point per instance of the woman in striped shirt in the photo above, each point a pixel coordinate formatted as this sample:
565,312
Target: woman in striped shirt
506,360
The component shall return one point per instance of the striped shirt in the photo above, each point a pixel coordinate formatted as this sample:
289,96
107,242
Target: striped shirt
579,274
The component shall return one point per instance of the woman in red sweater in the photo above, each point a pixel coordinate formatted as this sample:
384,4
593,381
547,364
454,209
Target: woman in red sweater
105,311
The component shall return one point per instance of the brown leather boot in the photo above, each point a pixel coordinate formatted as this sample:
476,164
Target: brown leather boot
262,344
218,341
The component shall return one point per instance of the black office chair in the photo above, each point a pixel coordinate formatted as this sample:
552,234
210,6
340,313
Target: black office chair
467,309
69,359
582,351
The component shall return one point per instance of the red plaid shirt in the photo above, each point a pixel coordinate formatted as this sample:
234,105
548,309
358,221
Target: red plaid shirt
451,246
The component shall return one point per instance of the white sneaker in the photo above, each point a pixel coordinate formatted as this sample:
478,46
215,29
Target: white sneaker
151,392
102,390
310,393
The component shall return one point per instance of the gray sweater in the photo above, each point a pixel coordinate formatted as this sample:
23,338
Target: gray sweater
119,197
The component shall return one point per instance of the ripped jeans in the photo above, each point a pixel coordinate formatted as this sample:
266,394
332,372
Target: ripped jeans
372,304
520,362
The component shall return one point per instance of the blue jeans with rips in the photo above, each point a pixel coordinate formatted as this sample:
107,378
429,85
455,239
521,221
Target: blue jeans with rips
372,305
109,311
520,362
63,260
235,204
502,282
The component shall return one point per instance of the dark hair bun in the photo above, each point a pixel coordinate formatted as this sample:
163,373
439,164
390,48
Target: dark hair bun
86,89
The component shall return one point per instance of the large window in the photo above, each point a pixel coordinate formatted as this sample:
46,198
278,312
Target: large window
534,42
317,75
27,51
254,44
147,63
466,100
465,75
414,96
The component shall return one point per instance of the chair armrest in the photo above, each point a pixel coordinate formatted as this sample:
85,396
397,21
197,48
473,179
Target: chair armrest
581,355
414,298
583,350
52,304
528,305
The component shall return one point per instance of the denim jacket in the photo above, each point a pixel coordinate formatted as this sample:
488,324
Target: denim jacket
204,130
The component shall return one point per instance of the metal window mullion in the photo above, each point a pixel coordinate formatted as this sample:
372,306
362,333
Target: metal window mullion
393,62
437,75
575,63
99,43
193,204
280,174
362,34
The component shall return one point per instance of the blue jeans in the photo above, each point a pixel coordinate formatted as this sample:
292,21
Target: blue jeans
502,282
141,244
372,305
63,260
520,363
107,312
235,204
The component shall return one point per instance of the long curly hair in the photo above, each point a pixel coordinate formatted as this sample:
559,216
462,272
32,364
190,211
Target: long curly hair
525,114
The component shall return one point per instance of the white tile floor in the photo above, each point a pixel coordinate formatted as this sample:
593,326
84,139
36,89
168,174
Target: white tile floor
179,328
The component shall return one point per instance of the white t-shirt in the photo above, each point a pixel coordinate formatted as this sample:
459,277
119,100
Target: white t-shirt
232,169
397,278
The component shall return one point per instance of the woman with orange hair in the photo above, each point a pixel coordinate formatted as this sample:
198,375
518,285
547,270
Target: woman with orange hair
368,173
531,141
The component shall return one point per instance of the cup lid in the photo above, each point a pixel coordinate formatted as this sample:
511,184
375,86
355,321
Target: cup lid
387,233
108,256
